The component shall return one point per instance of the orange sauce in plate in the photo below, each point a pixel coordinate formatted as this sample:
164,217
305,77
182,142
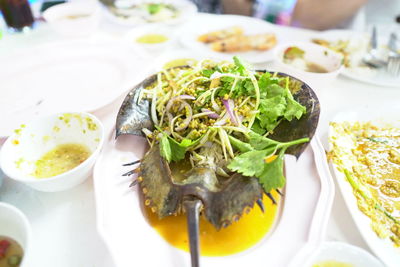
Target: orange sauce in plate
237,237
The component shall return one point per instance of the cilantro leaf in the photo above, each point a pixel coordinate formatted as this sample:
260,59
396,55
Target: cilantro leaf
271,110
172,150
269,86
271,176
165,148
248,163
262,161
249,86
207,72
294,110
273,107
239,65
275,90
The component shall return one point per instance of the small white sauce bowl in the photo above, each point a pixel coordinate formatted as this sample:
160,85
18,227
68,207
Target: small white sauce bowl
29,143
167,31
57,17
345,253
15,225
326,58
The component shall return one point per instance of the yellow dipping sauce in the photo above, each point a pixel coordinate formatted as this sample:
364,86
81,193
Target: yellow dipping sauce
60,159
180,62
237,237
332,264
152,39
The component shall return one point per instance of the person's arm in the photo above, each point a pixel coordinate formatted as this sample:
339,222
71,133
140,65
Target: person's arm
239,7
324,14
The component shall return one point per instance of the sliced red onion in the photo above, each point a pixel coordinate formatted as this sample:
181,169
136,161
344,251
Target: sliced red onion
178,98
186,122
212,115
222,121
186,97
230,105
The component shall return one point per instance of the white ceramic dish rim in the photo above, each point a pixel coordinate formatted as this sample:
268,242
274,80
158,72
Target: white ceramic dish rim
383,248
278,53
23,178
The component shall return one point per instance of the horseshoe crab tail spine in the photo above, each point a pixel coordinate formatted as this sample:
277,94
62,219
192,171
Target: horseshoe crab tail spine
271,197
261,205
192,208
279,192
133,183
131,163
137,170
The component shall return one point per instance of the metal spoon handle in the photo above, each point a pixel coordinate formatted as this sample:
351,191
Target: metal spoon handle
192,208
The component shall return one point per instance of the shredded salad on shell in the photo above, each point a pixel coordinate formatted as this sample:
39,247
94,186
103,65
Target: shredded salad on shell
219,114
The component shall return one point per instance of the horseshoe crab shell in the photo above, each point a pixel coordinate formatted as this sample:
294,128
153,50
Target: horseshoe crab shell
222,200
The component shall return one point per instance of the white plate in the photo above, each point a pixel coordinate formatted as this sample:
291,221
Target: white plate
383,248
303,218
185,8
65,76
207,23
366,75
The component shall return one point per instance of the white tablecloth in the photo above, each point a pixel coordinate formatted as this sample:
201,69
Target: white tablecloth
64,224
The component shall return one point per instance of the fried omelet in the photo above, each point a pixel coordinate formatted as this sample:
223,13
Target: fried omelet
369,156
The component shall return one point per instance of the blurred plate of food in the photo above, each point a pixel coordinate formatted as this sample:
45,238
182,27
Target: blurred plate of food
311,62
353,46
131,13
224,36
65,76
365,156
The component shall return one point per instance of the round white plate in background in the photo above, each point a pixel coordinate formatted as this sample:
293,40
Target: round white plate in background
65,76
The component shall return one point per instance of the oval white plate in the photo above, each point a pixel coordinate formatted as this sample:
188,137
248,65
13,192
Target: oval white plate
366,75
303,218
207,23
65,76
383,248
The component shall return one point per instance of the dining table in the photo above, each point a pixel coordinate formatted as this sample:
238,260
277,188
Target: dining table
64,224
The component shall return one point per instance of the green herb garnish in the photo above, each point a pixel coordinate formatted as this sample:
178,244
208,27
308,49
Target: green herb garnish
219,114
